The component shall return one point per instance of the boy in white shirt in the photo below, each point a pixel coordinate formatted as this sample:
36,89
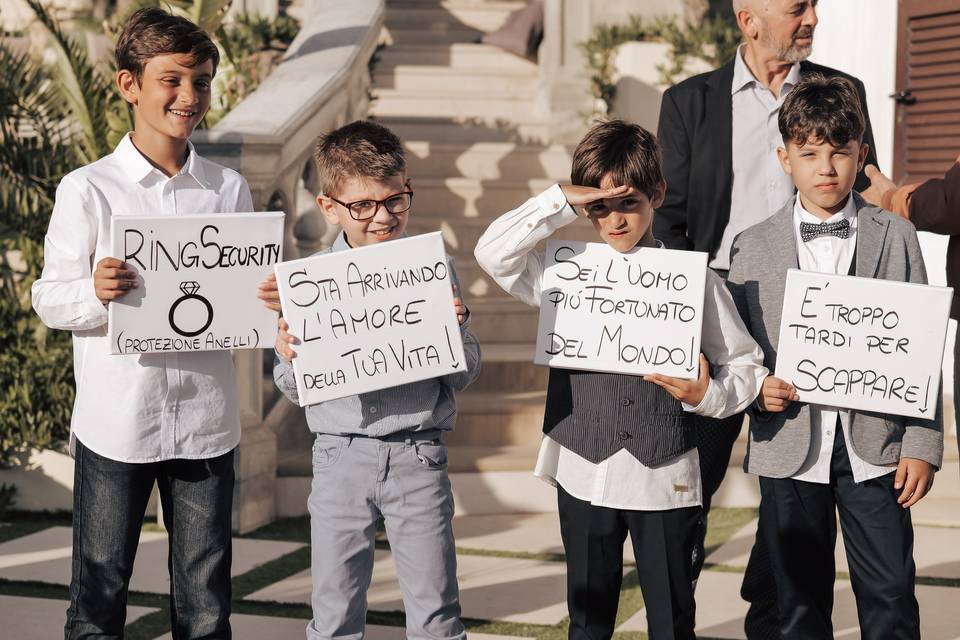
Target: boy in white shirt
621,449
169,419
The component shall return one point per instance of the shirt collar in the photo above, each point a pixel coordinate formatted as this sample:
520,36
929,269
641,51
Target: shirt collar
341,244
849,211
743,77
138,167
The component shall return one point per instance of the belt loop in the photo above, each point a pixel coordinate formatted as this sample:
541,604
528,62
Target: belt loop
408,440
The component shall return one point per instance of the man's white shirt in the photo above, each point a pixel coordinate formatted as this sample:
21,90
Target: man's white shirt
760,187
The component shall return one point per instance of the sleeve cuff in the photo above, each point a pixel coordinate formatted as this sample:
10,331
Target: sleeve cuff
98,314
708,403
553,202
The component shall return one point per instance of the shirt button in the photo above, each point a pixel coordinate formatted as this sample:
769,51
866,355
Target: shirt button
623,435
829,433
626,402
556,205
373,409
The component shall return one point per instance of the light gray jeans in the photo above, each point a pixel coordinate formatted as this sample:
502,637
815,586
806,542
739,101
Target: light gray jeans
403,479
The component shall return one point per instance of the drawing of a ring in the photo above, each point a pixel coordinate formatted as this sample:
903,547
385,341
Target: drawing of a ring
189,289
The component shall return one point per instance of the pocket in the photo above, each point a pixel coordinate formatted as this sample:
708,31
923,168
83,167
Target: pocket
326,451
431,454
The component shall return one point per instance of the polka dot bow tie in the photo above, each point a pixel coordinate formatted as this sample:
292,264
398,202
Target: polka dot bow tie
809,230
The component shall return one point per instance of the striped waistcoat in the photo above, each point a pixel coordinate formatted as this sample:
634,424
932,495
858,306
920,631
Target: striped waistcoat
597,414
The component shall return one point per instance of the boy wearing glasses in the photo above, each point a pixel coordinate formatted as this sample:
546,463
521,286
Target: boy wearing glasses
379,454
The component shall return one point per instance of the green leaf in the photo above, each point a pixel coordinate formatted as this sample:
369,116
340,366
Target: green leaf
87,92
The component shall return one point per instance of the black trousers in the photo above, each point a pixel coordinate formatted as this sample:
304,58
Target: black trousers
798,522
715,440
109,500
593,540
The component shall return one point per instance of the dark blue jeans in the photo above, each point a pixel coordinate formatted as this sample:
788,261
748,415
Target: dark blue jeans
109,501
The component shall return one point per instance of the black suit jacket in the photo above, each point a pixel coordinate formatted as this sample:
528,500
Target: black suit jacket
695,132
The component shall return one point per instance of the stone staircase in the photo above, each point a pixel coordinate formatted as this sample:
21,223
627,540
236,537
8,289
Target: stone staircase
477,145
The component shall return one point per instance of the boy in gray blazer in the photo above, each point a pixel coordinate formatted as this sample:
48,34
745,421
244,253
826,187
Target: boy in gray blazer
814,461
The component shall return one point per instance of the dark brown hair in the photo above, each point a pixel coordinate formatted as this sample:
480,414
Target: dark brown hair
361,149
627,152
822,109
152,32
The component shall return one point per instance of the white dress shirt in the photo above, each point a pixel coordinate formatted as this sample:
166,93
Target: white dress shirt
760,186
135,408
829,254
506,252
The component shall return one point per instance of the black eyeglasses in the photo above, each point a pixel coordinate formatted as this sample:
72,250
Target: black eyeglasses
365,209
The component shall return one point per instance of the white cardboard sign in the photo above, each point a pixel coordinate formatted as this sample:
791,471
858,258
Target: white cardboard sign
637,313
371,318
860,343
197,278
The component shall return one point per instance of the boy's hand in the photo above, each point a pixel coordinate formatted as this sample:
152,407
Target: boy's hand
915,478
458,306
582,196
688,391
285,340
111,279
269,293
776,395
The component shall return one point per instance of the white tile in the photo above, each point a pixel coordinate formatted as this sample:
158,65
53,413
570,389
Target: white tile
246,627
491,588
736,550
41,618
45,556
935,550
720,611
522,532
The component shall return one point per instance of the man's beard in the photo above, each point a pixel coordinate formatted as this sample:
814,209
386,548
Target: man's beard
791,52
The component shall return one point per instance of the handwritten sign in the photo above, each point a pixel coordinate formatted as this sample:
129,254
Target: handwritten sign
371,318
638,312
860,343
197,279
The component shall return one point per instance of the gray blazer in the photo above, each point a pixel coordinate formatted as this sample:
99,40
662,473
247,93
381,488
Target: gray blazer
888,249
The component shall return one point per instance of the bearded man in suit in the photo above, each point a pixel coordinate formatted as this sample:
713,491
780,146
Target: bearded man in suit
720,137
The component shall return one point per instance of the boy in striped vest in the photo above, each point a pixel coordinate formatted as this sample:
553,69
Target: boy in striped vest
621,449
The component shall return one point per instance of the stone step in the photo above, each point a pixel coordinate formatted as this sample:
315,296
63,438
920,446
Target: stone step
488,160
444,36
485,16
454,102
469,56
461,234
528,129
505,376
467,198
494,419
416,79
512,323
